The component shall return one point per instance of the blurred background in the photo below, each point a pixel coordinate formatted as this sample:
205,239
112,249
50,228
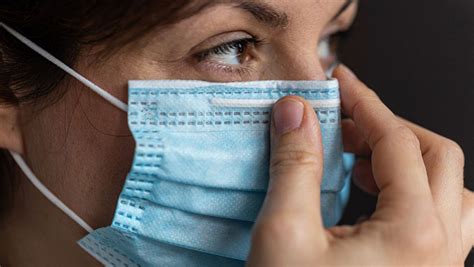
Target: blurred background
419,57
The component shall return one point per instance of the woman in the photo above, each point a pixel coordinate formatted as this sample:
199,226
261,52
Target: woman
65,131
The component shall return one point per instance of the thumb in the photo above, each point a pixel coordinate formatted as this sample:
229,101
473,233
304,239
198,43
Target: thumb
296,161
290,217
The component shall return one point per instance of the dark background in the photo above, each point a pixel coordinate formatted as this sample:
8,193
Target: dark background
419,57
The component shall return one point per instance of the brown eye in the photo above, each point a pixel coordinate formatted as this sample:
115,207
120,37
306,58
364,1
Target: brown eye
231,53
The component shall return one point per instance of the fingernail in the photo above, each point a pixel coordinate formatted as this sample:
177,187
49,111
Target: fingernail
348,71
287,116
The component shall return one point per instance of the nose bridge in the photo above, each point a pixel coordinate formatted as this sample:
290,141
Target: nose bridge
297,64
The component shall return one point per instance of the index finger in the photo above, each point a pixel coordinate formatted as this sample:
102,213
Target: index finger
397,161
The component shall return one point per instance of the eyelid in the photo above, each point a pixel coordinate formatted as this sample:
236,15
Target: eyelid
343,9
343,21
219,40
225,48
209,61
333,28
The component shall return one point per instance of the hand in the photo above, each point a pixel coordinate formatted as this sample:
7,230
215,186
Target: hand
424,216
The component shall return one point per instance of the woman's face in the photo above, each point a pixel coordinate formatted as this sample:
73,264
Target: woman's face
81,147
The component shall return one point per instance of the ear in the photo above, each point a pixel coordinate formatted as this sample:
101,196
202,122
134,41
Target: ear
10,132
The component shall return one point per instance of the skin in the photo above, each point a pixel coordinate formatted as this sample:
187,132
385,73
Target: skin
81,149
423,217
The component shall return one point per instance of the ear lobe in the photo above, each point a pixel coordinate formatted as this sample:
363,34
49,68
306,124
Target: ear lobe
10,132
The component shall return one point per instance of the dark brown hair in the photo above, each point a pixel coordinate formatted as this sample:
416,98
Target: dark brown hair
62,28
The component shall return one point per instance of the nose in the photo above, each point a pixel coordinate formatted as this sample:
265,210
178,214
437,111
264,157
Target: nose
304,64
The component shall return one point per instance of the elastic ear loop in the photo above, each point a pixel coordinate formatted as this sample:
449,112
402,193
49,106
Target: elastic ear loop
19,160
106,95
48,194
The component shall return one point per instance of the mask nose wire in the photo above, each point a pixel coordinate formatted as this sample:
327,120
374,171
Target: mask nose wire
106,95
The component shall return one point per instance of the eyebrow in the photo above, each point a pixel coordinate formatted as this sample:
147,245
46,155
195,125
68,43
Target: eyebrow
264,13
273,18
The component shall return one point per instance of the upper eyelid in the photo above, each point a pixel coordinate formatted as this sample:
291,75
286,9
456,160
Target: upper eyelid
219,40
205,52
251,39
335,27
211,50
343,9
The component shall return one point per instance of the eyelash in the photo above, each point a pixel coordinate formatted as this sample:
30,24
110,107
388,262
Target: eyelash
236,49
242,45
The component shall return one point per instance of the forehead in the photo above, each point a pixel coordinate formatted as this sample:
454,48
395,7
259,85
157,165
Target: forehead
277,13
293,7
288,18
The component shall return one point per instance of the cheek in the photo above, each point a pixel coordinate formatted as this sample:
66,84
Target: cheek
105,146
301,56
82,150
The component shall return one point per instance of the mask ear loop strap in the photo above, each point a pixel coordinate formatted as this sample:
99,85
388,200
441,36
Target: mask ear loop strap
19,160
48,194
106,95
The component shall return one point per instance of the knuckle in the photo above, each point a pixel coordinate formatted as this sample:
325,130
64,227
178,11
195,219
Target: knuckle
372,94
290,156
363,91
400,135
447,154
404,135
452,151
365,100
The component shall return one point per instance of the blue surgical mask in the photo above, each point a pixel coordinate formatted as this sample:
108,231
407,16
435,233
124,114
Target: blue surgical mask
200,170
